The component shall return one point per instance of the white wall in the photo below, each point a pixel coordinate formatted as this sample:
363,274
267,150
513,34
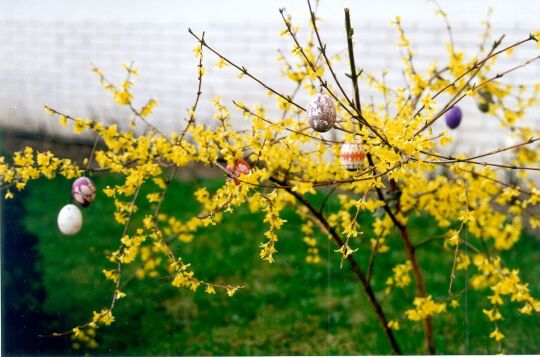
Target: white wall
48,46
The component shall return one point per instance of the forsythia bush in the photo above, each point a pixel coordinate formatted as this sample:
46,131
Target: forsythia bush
397,170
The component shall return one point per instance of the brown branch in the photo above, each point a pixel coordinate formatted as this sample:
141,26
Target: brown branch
354,78
191,119
427,240
420,287
247,110
322,49
410,250
354,74
354,266
244,71
311,65
429,343
519,189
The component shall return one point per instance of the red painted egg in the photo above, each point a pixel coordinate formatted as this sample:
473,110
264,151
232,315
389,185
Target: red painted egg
321,113
352,156
240,167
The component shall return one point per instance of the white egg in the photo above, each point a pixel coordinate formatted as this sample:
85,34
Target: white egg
70,220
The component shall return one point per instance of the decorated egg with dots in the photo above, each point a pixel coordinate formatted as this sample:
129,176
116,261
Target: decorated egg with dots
352,156
70,220
321,113
240,167
83,191
453,117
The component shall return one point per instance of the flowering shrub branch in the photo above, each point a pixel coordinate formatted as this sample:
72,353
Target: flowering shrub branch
280,162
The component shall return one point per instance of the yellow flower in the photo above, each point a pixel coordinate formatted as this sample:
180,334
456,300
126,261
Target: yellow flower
62,120
208,221
80,125
427,101
401,276
493,314
424,307
197,50
393,324
345,250
221,63
231,291
130,69
153,197
210,289
496,335
148,108
536,36
123,97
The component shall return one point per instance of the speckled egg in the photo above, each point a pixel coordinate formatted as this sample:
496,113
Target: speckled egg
453,117
352,156
70,220
240,167
321,113
83,191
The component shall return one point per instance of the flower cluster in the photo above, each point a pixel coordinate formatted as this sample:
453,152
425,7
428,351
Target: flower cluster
424,307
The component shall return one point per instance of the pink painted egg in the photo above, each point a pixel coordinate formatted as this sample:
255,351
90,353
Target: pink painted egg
240,167
83,191
321,113
352,156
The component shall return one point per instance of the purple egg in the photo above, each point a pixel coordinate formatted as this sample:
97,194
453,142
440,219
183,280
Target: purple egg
453,117
83,191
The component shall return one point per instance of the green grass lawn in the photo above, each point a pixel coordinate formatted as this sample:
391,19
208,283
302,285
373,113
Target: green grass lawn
288,307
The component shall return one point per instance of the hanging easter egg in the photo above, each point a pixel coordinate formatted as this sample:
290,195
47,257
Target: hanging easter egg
240,167
70,220
484,100
453,117
321,113
83,191
352,156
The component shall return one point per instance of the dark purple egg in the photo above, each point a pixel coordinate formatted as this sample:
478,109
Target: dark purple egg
83,191
453,117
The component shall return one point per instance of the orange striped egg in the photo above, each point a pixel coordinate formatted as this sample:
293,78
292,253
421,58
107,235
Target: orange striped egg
352,156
